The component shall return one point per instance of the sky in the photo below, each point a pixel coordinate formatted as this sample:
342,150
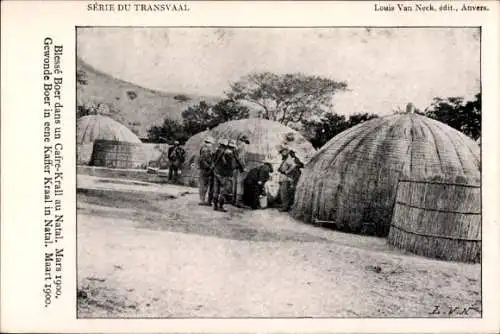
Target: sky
384,67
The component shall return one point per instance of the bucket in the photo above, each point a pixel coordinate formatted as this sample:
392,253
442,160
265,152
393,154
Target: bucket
263,201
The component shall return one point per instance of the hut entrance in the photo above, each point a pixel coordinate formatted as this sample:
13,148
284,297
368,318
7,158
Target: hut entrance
438,220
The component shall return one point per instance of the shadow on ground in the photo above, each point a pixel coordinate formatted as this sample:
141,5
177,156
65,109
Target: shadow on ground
184,215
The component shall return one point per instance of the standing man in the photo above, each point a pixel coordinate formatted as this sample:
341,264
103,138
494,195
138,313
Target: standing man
289,176
176,158
239,176
206,171
225,162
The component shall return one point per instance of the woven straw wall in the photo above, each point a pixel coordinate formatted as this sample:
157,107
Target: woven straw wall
114,154
352,180
438,220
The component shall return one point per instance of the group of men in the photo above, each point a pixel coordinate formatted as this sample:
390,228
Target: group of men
222,171
224,176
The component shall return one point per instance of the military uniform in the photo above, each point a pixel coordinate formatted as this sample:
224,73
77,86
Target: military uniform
176,156
225,161
289,177
206,172
239,175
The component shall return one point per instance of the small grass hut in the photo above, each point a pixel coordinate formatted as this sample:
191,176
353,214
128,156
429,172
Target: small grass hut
352,181
94,127
265,137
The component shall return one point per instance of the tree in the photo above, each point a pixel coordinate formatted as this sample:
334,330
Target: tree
85,109
228,110
357,118
131,94
81,77
287,98
204,116
170,131
182,98
464,116
319,132
91,107
197,118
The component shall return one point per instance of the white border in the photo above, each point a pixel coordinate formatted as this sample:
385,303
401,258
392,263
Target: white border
26,23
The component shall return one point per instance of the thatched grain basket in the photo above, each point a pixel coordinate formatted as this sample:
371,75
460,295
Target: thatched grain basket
93,127
264,135
438,220
352,180
116,154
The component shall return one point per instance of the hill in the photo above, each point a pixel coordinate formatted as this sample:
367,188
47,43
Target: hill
136,107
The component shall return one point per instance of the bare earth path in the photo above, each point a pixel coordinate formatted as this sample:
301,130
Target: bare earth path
165,256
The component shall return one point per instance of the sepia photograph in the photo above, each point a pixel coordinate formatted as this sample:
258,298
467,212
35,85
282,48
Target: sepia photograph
278,172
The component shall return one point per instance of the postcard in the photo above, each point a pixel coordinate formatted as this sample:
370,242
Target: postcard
250,166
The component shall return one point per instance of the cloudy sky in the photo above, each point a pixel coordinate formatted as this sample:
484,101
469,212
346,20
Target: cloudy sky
384,68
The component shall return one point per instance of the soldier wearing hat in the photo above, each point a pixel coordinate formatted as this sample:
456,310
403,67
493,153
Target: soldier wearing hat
239,176
224,162
289,176
206,171
176,155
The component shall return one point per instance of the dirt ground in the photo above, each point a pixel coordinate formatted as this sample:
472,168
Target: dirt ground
159,254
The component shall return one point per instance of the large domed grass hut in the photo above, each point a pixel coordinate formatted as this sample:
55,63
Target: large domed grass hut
92,128
265,137
352,181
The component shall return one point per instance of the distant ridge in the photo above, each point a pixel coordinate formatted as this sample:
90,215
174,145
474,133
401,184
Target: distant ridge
136,107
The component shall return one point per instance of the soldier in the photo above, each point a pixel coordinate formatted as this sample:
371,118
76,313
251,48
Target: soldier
239,176
206,171
176,156
289,176
254,184
225,161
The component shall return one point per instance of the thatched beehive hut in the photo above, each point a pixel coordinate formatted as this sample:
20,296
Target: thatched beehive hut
265,137
352,180
93,127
